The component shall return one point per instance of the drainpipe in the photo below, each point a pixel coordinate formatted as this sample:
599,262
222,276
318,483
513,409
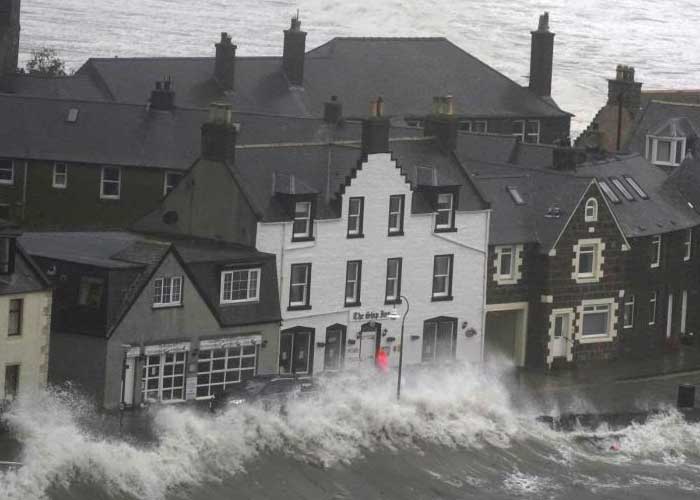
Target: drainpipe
24,191
619,121
485,286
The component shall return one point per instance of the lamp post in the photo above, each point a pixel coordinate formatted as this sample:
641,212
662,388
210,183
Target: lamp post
394,315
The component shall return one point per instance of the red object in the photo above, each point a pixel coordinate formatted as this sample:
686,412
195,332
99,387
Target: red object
382,361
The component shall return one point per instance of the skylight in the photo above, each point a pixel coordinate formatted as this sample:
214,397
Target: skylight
72,116
609,192
637,188
621,187
513,191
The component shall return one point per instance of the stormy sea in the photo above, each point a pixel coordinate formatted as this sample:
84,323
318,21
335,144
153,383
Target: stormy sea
455,434
593,36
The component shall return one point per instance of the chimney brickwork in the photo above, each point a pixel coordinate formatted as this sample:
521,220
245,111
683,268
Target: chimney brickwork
163,96
219,134
9,40
333,111
625,89
375,129
225,65
442,123
542,58
294,53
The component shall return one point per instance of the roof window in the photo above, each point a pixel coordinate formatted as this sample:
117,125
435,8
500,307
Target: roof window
72,115
513,192
621,187
609,192
637,188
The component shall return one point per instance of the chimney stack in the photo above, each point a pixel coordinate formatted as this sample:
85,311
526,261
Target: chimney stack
541,58
163,96
9,42
225,65
219,134
625,90
375,129
442,123
332,111
294,53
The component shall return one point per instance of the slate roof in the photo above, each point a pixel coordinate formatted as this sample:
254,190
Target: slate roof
407,72
202,260
27,277
660,115
666,208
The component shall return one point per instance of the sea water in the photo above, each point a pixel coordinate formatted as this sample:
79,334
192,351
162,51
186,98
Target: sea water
658,37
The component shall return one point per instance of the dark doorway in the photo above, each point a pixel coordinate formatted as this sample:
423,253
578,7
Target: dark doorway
11,382
334,357
439,340
296,351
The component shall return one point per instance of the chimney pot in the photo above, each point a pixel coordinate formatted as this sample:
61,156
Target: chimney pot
623,88
442,123
375,129
294,52
541,58
225,64
544,22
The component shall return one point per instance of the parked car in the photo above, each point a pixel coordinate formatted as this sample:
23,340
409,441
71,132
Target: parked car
271,393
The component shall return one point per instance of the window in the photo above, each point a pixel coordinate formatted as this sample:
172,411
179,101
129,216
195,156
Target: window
669,151
334,352
167,292
587,260
629,312
355,215
15,318
445,212
163,377
90,293
655,255
240,285
111,183
170,181
636,187
302,221
439,340
515,195
299,286
296,351
527,131
396,204
60,176
609,192
505,262
596,320
621,187
652,308
442,277
393,281
7,256
591,210
688,244
11,382
353,279
218,369
519,129
414,123
479,126
7,172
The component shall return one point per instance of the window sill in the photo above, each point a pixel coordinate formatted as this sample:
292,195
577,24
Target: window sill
238,302
299,308
7,183
654,266
587,279
445,230
166,306
353,236
353,304
442,298
392,302
302,239
110,198
627,327
60,187
595,339
686,259
395,233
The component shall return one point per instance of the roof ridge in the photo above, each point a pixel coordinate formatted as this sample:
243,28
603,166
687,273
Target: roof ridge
686,104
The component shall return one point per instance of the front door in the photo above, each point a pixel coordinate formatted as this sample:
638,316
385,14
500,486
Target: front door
370,340
561,335
335,348
295,352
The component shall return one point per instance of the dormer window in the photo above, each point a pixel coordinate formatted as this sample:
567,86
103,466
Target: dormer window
240,285
7,261
445,218
303,221
591,210
667,151
356,208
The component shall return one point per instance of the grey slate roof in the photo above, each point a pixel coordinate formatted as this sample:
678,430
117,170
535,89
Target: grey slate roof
407,72
659,115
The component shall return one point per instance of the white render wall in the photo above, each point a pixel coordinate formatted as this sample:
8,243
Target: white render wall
376,181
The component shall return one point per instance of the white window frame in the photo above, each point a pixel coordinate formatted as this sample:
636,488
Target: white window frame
486,126
11,180
56,176
516,262
395,281
167,291
656,241
356,216
521,133
117,182
398,214
231,373
305,217
354,299
306,284
591,210
535,135
628,319
18,314
611,333
161,376
450,211
510,253
652,308
252,271
675,143
84,290
167,186
688,244
598,260
447,276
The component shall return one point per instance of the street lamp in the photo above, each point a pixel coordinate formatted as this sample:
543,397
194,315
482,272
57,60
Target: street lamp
394,315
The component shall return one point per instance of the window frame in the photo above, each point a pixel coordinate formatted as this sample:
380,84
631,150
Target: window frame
359,216
628,319
118,182
20,317
6,393
529,134
309,233
591,203
162,364
400,215
7,255
608,334
440,295
395,299
11,169
674,152
170,280
433,357
89,281
594,255
499,262
225,354
357,280
166,185
656,241
54,183
688,245
257,271
653,301
521,133
450,226
305,304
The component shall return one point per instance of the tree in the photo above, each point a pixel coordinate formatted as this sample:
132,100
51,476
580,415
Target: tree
45,62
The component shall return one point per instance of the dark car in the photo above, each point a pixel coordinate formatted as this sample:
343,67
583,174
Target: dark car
269,392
